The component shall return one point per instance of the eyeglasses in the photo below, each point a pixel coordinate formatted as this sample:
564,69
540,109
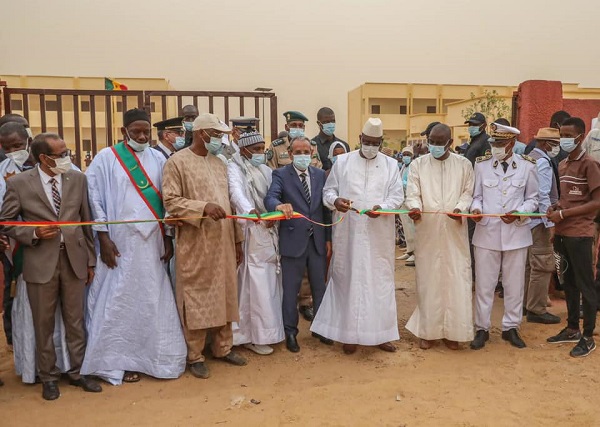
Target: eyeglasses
61,155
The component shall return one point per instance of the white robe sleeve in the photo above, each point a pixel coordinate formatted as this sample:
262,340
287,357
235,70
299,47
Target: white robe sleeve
466,196
96,175
237,191
331,188
413,188
395,193
477,192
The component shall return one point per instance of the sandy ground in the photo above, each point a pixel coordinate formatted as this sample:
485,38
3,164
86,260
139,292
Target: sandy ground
499,385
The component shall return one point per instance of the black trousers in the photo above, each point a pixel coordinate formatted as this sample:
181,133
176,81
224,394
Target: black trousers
578,280
8,300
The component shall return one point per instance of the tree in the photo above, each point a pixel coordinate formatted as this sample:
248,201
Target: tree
491,105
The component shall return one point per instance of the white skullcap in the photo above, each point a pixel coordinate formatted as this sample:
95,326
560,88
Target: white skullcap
373,127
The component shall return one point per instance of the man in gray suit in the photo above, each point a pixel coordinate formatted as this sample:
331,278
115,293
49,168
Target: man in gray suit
58,261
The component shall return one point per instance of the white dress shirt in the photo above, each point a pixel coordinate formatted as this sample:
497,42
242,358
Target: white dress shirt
45,178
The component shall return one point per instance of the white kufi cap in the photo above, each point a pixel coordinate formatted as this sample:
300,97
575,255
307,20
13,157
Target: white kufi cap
373,127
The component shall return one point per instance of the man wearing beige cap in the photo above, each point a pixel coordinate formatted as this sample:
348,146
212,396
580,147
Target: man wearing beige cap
540,255
209,246
359,306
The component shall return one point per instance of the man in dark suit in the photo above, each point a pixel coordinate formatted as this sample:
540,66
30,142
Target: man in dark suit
58,261
302,245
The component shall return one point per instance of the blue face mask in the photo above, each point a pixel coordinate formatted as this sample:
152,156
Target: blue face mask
179,143
406,160
214,146
257,159
568,144
188,126
296,132
328,128
333,159
474,130
301,161
437,151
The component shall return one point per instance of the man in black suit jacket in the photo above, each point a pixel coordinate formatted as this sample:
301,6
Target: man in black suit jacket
302,244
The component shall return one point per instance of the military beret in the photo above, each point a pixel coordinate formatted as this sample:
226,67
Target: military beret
169,124
291,116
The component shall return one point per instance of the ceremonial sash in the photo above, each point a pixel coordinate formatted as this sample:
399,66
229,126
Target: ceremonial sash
140,179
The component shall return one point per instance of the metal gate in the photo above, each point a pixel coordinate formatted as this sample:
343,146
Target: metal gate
89,120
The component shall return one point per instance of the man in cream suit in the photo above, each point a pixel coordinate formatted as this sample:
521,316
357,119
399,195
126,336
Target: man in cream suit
505,183
58,261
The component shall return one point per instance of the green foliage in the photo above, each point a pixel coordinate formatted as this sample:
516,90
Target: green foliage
491,105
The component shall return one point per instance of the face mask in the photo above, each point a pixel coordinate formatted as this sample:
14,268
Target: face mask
499,153
301,161
553,152
333,159
63,165
296,132
136,146
437,151
406,160
214,146
474,131
29,132
257,159
188,126
328,128
568,144
19,157
179,143
369,151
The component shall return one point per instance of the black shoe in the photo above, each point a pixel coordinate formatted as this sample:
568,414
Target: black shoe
307,312
292,344
566,335
199,370
323,339
481,337
584,347
50,390
512,336
546,318
87,384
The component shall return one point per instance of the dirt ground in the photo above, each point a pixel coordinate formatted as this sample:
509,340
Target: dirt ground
496,386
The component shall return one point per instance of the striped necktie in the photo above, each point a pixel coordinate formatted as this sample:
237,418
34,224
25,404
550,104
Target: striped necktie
55,195
305,185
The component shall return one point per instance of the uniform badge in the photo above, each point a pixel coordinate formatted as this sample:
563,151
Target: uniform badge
269,154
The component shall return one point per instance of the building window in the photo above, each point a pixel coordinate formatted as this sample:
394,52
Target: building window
51,106
85,105
375,109
16,104
431,109
119,106
153,107
87,144
403,109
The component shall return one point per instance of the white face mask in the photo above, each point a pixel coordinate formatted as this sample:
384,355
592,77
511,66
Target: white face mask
63,164
499,153
29,132
369,151
136,146
19,157
553,152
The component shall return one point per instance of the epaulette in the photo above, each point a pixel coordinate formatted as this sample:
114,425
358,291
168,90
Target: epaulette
277,142
269,154
528,158
313,142
483,158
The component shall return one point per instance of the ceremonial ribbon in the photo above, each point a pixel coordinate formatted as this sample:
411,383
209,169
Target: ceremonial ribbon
269,216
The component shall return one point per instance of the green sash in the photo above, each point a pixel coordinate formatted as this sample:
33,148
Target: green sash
139,178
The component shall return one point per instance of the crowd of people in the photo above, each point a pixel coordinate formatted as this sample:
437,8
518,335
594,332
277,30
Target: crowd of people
140,265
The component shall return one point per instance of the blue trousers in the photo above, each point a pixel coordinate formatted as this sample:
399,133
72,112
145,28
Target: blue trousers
293,271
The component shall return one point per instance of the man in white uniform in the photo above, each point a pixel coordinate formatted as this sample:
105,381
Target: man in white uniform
505,183
441,181
259,275
359,306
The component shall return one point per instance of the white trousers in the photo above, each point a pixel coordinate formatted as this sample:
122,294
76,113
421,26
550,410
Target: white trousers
488,264
409,232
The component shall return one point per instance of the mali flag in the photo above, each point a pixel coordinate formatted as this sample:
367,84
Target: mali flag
110,84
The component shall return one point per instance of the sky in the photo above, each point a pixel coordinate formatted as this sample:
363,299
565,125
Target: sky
311,52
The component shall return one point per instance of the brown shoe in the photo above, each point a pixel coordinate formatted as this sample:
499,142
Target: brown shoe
388,346
349,348
452,345
425,344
